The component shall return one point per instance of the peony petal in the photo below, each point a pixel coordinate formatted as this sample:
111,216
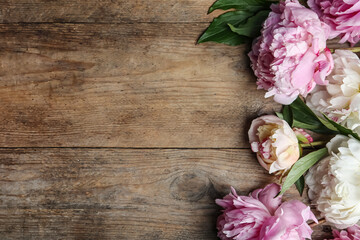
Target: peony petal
267,197
336,142
290,217
303,73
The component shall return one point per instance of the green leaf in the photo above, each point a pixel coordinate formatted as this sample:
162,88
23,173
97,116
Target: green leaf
279,115
253,25
299,104
220,32
245,5
301,166
305,118
300,184
302,125
287,114
342,130
328,124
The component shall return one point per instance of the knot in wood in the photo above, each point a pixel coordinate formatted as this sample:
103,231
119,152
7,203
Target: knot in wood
190,186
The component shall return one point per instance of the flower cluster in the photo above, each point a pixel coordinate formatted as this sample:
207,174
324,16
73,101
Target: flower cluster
320,91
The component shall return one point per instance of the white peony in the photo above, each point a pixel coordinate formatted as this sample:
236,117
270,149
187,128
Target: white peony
334,183
340,99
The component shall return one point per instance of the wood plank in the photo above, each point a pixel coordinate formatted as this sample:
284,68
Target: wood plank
123,85
120,193
105,11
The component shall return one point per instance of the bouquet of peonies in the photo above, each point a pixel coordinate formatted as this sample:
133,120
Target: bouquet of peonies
320,92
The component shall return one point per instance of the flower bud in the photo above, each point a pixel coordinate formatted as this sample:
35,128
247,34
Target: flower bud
303,136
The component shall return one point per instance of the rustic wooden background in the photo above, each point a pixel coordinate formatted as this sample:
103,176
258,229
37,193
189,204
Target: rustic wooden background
115,125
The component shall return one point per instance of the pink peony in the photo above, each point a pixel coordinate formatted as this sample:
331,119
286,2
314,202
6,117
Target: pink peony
275,143
343,17
262,216
352,233
291,57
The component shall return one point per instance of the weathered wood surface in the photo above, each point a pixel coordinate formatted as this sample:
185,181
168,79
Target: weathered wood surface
120,194
123,85
89,75
105,11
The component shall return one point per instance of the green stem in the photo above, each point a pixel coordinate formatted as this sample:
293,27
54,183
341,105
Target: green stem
313,144
353,49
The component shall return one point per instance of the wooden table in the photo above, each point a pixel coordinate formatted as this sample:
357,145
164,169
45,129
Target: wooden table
115,125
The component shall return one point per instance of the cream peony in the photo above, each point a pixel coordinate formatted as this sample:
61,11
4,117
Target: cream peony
334,183
340,99
274,142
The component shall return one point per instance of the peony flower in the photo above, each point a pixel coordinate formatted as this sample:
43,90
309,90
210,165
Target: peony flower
291,57
343,17
340,99
274,143
334,183
261,215
352,233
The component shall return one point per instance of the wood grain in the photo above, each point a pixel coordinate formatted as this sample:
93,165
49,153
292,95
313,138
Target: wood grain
120,194
127,85
127,76
105,11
